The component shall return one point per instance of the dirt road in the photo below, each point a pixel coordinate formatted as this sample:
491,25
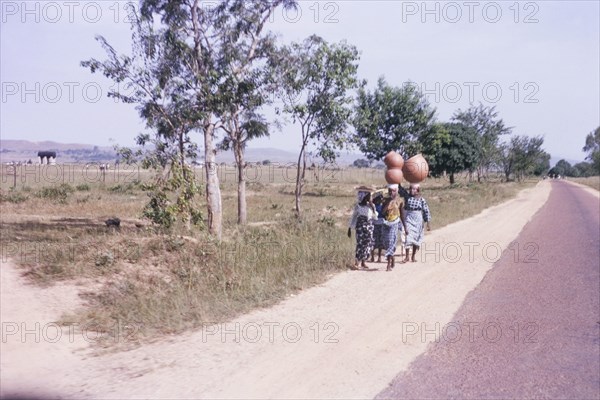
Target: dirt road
347,338
532,328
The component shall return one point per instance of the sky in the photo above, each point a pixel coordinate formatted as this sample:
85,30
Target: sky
537,62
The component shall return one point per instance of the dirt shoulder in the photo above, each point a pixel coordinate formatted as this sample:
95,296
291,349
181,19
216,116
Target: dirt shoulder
342,339
588,189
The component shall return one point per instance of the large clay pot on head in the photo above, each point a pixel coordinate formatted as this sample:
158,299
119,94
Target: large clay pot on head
393,175
415,169
393,160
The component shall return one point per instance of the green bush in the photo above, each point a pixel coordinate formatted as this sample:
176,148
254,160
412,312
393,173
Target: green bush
58,193
13,197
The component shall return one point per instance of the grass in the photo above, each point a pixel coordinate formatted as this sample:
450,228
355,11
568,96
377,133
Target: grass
163,283
591,181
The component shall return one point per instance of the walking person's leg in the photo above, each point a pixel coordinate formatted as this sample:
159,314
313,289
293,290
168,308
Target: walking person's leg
414,253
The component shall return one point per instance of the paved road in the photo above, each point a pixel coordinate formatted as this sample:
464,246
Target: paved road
531,329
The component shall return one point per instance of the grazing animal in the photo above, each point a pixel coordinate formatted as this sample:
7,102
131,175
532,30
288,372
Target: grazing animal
47,157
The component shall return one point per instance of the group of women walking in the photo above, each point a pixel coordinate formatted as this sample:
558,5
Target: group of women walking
380,221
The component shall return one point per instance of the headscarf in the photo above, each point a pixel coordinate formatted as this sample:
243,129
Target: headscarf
392,186
416,186
361,195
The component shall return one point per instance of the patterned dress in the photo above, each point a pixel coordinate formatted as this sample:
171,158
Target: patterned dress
362,222
391,221
378,229
417,213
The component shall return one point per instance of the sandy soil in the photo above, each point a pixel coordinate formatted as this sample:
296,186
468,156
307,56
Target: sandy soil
347,338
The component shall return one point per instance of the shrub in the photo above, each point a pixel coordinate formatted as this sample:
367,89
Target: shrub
13,197
58,193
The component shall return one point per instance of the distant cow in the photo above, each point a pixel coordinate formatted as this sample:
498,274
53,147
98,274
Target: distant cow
46,157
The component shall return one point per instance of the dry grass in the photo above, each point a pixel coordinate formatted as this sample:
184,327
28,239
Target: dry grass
591,181
164,283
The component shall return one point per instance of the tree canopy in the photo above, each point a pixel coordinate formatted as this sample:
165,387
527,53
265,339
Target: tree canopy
390,118
485,121
450,147
315,77
592,147
521,155
193,69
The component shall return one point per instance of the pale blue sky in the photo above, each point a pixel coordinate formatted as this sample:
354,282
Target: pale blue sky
538,62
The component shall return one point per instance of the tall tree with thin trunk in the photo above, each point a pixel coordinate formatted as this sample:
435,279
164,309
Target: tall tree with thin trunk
192,34
202,38
489,128
149,77
315,78
247,59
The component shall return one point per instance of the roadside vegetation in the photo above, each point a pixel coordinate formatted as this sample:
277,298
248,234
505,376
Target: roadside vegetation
161,244
591,181
160,282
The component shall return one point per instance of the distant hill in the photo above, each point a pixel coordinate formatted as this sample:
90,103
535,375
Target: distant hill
25,145
282,156
24,150
259,154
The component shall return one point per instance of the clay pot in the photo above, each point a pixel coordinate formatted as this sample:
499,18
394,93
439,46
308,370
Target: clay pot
416,169
393,160
393,175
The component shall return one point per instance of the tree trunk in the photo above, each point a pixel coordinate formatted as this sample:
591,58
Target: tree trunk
186,182
213,192
452,178
239,159
301,167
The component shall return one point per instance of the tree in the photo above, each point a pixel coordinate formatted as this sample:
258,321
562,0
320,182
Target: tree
450,148
248,82
584,169
542,164
361,163
390,118
149,77
592,147
198,41
315,77
521,155
489,127
563,168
